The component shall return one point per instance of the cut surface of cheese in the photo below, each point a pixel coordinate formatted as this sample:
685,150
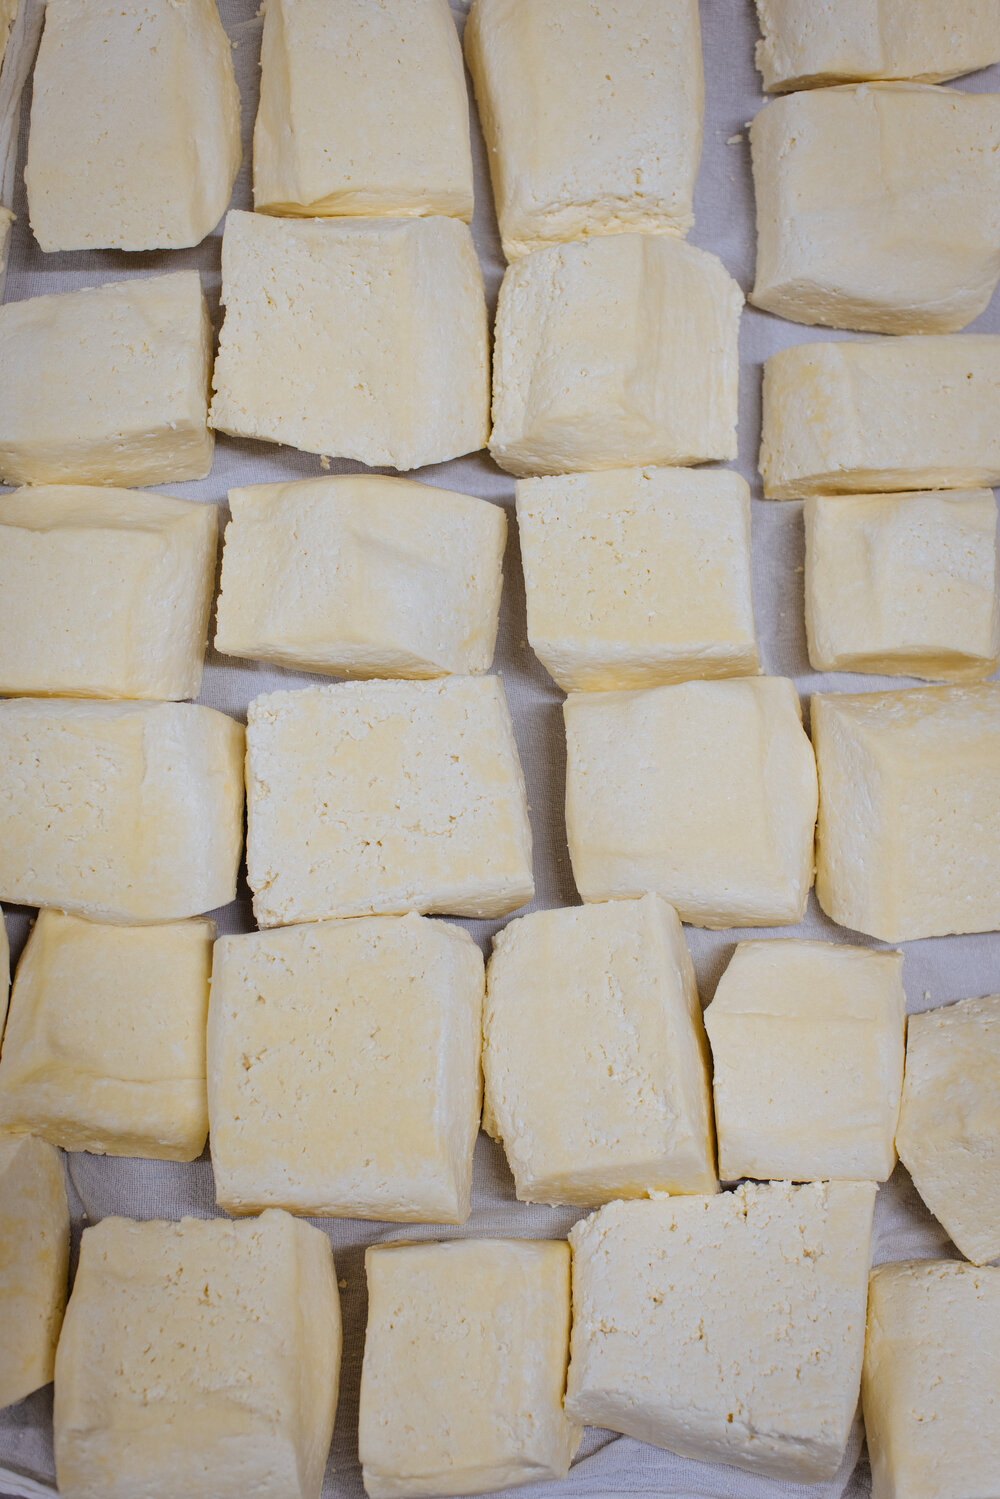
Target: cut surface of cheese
34,1263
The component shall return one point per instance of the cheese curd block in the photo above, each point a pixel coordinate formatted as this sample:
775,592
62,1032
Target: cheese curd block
903,585
727,1329
615,351
465,1367
375,798
949,1127
125,812
908,840
931,1374
349,576
108,385
704,792
135,125
34,1263
807,1051
595,1056
638,577
553,74
363,110
876,415
107,592
362,338
198,1358
878,206
342,1016
105,1045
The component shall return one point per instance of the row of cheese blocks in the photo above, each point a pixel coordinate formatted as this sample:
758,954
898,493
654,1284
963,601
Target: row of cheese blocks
727,1329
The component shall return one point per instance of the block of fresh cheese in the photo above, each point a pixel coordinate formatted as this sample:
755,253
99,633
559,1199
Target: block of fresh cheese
105,1043
612,352
375,798
931,1375
949,1125
867,416
361,575
199,1358
810,42
638,577
704,792
908,839
587,131
903,584
135,125
343,1016
465,1367
124,812
34,1263
356,338
108,385
878,206
363,110
107,592
726,1329
807,1052
594,1055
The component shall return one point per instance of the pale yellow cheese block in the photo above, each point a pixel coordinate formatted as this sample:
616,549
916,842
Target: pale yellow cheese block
588,132
34,1263
342,1017
199,1358
363,110
726,1329
807,1054
465,1367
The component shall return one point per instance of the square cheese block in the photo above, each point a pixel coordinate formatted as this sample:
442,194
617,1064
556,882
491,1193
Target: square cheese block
931,1375
342,1016
124,812
199,1358
615,351
359,338
595,1056
908,840
807,1052
361,576
875,415
704,792
363,110
135,125
903,585
465,1367
375,798
107,592
34,1263
729,1328
949,1126
638,577
105,1044
554,75
108,385
878,206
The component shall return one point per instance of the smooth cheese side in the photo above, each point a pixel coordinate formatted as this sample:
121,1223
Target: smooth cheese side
34,1263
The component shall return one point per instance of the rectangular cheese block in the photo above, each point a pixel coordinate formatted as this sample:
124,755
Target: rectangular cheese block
107,592
465,1367
105,1044
34,1263
124,812
375,798
363,110
553,76
341,1016
360,575
198,1358
355,338
729,1328
135,125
